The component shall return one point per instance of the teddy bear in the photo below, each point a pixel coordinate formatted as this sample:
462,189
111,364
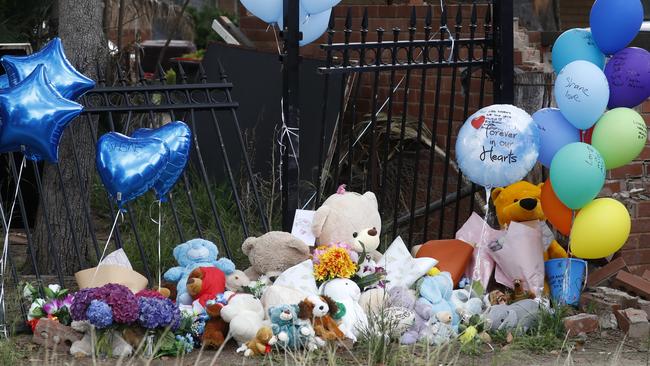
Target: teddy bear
273,253
260,344
245,315
466,303
520,203
520,315
347,293
190,255
439,329
205,283
289,331
400,310
237,281
435,296
319,311
216,329
350,218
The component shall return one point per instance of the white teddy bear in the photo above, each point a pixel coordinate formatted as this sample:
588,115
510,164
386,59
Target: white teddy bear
347,293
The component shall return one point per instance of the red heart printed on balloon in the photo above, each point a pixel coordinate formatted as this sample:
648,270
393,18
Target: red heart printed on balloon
478,122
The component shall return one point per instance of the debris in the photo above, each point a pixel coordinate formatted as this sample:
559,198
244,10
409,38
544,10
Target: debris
622,298
632,284
606,272
591,301
581,323
634,322
54,335
607,321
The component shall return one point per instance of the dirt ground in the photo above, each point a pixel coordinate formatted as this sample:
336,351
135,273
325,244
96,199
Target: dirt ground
606,348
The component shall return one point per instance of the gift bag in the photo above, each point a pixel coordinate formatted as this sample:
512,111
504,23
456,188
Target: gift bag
519,255
479,234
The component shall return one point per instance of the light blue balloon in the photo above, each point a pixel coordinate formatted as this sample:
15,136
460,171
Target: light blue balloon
312,26
497,146
4,81
582,93
615,23
576,44
555,132
267,10
318,6
577,174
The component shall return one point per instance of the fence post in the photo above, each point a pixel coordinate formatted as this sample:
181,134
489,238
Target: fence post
503,52
290,132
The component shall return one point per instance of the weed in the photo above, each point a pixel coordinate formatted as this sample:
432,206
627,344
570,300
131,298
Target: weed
547,332
10,354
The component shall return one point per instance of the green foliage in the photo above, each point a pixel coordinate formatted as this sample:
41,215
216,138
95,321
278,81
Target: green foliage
204,34
144,209
10,353
23,21
546,334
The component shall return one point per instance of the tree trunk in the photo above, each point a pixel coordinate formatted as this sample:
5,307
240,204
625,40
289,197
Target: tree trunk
81,30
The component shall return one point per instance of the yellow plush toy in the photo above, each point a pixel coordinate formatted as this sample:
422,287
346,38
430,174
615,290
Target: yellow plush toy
520,202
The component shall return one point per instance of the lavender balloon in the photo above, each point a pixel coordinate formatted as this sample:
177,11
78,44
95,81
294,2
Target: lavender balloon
628,75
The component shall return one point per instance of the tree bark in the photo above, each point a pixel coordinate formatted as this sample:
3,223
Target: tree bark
81,30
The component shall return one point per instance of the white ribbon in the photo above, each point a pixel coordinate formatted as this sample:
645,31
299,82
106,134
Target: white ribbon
110,235
5,248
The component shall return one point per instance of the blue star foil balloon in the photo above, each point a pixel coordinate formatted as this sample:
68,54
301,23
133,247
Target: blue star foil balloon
66,79
4,81
129,166
177,137
33,116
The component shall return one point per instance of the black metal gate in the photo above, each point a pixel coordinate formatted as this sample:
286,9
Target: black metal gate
404,95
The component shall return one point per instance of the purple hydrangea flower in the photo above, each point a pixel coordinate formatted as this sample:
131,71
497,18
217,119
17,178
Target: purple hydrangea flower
122,302
158,313
80,303
99,314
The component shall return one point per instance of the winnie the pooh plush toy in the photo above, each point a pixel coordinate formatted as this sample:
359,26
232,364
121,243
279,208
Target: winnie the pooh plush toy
520,202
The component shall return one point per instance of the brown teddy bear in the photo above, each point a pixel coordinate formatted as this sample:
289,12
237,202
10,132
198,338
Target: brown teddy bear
273,253
260,345
204,284
320,310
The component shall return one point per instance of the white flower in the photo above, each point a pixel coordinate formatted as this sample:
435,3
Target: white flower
36,309
27,292
54,287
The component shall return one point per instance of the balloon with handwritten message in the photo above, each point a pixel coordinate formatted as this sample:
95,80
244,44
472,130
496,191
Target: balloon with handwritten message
497,146
620,136
555,132
577,174
582,93
576,44
628,74
615,23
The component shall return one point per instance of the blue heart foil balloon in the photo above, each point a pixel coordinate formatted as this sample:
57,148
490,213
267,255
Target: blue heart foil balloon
65,78
178,137
33,116
128,166
4,81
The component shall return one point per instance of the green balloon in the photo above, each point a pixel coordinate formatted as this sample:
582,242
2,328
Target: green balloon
619,136
577,174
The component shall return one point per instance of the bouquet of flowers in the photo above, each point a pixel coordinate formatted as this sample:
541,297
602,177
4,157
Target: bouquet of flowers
334,261
105,306
167,329
55,304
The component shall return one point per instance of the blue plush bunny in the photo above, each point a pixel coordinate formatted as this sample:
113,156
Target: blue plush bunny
190,255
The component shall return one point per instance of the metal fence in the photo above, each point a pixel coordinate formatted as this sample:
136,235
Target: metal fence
404,93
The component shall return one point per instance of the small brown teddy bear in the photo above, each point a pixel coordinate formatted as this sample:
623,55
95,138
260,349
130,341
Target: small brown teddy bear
204,284
319,310
260,345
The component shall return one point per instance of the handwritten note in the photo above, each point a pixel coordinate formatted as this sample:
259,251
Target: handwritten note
302,226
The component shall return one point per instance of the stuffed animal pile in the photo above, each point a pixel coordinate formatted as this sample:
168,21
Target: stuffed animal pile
298,296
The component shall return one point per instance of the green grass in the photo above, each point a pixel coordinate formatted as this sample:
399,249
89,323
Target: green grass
143,209
547,333
10,353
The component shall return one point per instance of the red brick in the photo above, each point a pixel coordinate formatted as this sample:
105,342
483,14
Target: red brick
581,323
611,188
606,272
645,107
636,256
634,169
641,225
54,335
632,284
590,300
634,322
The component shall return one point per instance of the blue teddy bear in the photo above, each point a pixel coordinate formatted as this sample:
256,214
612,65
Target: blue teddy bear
284,319
190,255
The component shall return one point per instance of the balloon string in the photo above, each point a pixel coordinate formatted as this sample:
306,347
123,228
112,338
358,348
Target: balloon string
110,235
5,246
159,223
567,269
476,273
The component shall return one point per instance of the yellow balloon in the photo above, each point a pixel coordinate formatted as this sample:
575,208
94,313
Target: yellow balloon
600,229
